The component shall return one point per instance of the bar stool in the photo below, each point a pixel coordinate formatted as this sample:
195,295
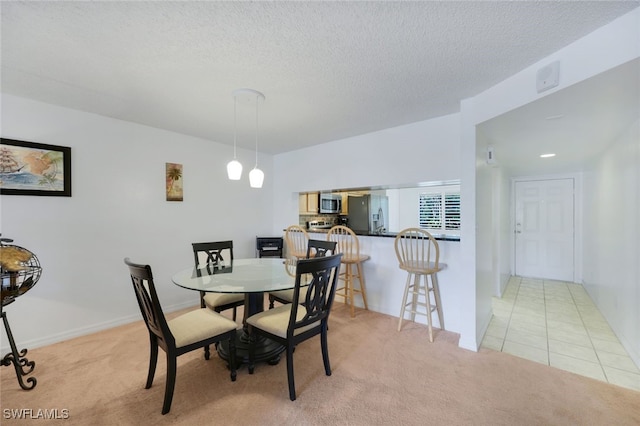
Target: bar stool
418,254
347,244
296,239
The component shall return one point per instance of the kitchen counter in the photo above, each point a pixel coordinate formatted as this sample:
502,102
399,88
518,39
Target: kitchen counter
385,281
440,237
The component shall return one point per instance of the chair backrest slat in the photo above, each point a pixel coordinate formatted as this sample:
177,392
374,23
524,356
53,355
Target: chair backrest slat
320,292
320,248
315,248
346,241
211,253
417,249
145,290
296,239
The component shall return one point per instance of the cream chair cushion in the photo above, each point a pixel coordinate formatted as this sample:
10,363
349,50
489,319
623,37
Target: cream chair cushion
198,325
288,294
213,300
276,320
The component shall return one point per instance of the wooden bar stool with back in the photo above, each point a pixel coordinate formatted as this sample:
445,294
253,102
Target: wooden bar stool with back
347,243
419,254
296,240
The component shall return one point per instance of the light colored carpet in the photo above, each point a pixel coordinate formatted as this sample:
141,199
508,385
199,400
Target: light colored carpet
380,377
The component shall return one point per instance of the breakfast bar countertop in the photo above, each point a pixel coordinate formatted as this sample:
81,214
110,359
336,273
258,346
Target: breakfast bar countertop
441,237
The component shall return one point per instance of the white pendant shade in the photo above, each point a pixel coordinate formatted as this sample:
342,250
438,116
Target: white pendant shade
256,177
234,170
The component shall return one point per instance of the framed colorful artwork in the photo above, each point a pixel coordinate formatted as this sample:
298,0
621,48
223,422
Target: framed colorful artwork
29,168
174,181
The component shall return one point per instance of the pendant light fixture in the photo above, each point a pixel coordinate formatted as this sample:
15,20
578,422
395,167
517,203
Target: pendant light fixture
256,176
234,168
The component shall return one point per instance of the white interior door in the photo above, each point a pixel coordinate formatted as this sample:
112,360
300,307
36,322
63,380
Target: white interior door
544,229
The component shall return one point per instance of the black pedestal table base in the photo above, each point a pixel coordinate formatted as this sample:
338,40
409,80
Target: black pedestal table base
266,350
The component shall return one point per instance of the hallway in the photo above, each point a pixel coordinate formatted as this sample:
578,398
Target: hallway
556,323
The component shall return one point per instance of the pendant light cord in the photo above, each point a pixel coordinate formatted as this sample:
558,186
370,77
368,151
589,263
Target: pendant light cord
256,166
235,124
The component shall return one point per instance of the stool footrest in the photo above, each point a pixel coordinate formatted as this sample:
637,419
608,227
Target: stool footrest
424,305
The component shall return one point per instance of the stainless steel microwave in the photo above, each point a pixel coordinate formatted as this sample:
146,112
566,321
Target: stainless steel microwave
330,203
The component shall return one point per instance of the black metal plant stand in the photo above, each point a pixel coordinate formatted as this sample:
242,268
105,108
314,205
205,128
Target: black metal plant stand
19,271
19,360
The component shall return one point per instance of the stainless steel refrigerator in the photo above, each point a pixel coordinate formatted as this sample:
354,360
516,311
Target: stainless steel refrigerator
369,213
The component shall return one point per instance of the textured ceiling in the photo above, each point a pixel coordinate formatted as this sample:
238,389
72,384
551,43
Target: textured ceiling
576,123
329,70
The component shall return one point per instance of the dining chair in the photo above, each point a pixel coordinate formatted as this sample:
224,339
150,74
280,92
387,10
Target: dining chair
315,248
352,259
300,320
211,255
196,329
419,254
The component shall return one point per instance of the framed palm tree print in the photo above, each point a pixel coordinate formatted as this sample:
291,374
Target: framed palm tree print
174,182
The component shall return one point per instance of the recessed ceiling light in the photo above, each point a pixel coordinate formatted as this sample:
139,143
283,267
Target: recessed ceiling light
547,155
554,117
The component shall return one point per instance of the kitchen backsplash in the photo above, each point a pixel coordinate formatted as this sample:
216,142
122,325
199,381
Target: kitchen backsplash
304,218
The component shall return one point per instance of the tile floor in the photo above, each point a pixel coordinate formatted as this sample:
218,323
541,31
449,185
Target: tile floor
557,324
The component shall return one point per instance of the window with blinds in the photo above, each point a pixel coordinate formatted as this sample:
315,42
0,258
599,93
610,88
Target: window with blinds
452,211
440,211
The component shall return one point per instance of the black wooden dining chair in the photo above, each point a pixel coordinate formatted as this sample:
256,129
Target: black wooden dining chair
211,254
196,329
315,248
298,321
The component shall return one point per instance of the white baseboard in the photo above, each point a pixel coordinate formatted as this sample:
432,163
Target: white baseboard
482,329
93,328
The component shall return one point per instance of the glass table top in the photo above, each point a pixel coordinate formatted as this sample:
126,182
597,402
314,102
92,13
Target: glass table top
240,276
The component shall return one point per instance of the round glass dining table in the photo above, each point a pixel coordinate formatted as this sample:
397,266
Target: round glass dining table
253,277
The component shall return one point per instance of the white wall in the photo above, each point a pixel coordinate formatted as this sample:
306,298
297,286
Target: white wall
410,201
419,152
612,237
605,48
118,209
503,230
486,257
493,234
493,226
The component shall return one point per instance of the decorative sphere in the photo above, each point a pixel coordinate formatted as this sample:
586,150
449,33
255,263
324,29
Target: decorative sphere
20,270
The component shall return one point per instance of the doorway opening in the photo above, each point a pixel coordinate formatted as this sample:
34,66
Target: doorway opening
544,229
